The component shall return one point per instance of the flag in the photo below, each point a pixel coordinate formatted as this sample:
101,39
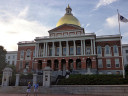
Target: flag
122,19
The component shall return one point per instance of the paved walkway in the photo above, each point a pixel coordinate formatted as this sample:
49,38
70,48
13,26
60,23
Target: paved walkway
46,95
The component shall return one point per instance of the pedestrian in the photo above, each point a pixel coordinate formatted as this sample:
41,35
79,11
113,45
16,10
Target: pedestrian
36,87
28,89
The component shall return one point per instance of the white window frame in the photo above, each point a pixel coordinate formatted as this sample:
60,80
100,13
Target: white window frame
77,50
99,47
64,54
117,62
115,54
21,54
108,61
100,63
88,50
109,54
71,50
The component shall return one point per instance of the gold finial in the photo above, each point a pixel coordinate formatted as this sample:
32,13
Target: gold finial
68,6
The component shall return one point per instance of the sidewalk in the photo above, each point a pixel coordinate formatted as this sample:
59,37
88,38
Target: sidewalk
47,95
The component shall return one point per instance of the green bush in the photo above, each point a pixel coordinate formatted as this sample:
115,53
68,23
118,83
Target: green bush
94,80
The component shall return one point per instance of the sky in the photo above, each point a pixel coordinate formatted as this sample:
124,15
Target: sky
23,20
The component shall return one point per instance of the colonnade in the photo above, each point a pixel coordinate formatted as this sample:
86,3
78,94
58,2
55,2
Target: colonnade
44,51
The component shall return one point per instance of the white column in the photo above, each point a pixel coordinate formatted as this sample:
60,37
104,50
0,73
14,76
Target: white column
94,46
74,47
46,48
81,47
91,48
17,79
67,49
39,51
60,49
53,49
36,50
84,46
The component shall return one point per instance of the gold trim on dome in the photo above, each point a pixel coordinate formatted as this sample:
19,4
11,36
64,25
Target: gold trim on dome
68,19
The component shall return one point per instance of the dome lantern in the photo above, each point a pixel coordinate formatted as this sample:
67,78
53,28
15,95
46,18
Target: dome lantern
68,18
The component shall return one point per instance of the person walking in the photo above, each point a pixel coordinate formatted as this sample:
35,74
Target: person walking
36,87
28,89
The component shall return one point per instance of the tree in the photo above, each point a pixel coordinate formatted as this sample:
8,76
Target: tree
2,58
126,69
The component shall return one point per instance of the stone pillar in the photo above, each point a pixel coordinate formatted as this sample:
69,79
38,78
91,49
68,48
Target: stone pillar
17,79
46,48
60,49
81,47
37,50
84,46
67,49
74,47
53,49
34,79
7,72
47,76
94,46
91,47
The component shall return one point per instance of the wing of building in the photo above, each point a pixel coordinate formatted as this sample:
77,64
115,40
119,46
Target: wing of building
69,48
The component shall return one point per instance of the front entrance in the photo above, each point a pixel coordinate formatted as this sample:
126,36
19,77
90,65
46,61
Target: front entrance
63,64
70,65
89,63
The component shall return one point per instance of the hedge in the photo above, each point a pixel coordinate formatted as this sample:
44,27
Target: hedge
79,79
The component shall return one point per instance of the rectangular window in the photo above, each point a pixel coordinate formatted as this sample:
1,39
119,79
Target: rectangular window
57,51
22,54
64,51
88,51
50,52
13,57
100,64
71,50
8,57
8,62
78,50
108,63
126,51
117,63
12,62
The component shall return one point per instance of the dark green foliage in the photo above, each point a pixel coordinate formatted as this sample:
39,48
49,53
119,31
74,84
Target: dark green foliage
94,80
2,59
126,69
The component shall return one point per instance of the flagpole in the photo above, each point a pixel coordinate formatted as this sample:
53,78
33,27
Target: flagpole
121,45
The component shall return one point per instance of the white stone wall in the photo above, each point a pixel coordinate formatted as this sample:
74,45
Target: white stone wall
125,47
11,57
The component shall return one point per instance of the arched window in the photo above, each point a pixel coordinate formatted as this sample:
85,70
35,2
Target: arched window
28,53
99,50
115,50
107,50
22,54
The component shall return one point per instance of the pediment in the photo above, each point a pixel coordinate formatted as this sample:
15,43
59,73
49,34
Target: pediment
66,27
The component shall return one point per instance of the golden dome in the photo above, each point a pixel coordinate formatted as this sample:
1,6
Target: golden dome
68,18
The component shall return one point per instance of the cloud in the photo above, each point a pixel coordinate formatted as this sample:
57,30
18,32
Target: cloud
87,25
15,28
24,12
112,21
104,3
